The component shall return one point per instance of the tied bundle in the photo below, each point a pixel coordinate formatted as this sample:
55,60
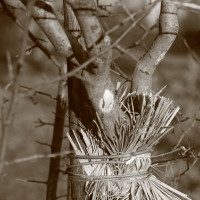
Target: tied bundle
120,168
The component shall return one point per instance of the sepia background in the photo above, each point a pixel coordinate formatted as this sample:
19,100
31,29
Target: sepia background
179,72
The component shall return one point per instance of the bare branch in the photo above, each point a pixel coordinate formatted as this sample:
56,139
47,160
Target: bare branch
185,133
43,143
31,181
178,153
189,6
142,77
194,56
36,157
15,4
59,123
46,19
45,48
9,116
40,123
39,92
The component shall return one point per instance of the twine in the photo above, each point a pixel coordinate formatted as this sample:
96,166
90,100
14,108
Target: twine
125,175
137,166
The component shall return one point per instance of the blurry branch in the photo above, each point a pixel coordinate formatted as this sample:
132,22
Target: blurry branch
141,39
189,6
178,153
15,4
32,181
194,56
185,133
7,119
135,44
38,42
186,118
144,11
36,157
116,69
41,123
190,166
39,92
43,143
142,76
125,51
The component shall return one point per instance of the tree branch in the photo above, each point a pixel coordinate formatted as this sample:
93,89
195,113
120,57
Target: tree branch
142,76
46,19
9,116
45,48
57,139
36,157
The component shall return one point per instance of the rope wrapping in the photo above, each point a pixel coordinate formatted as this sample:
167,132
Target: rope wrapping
121,168
116,179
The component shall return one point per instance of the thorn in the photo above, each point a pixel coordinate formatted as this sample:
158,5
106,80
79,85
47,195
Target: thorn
31,181
43,143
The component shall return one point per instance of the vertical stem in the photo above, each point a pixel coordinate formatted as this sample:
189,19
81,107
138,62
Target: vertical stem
77,98
56,145
9,116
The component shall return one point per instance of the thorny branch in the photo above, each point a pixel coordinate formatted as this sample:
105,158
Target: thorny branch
40,123
99,50
94,57
44,46
9,116
32,181
59,124
39,92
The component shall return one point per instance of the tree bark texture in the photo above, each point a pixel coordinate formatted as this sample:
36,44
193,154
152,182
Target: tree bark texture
56,145
90,90
168,30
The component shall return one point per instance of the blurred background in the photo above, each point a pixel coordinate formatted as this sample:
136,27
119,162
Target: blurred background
179,71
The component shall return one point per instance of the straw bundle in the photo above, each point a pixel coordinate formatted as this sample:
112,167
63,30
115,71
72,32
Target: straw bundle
120,168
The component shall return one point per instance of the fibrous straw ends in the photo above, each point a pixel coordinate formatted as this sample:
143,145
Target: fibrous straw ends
120,168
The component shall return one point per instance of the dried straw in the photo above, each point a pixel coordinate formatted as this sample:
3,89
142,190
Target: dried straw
120,168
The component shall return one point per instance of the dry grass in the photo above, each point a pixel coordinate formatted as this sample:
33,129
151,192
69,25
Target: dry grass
118,168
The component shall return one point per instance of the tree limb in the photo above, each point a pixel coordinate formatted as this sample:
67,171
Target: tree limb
142,76
15,82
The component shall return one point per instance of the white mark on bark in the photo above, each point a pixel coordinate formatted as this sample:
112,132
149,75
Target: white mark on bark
160,58
107,40
107,102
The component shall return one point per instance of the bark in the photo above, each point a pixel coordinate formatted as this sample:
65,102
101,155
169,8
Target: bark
87,95
168,30
56,145
99,95
46,19
91,91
